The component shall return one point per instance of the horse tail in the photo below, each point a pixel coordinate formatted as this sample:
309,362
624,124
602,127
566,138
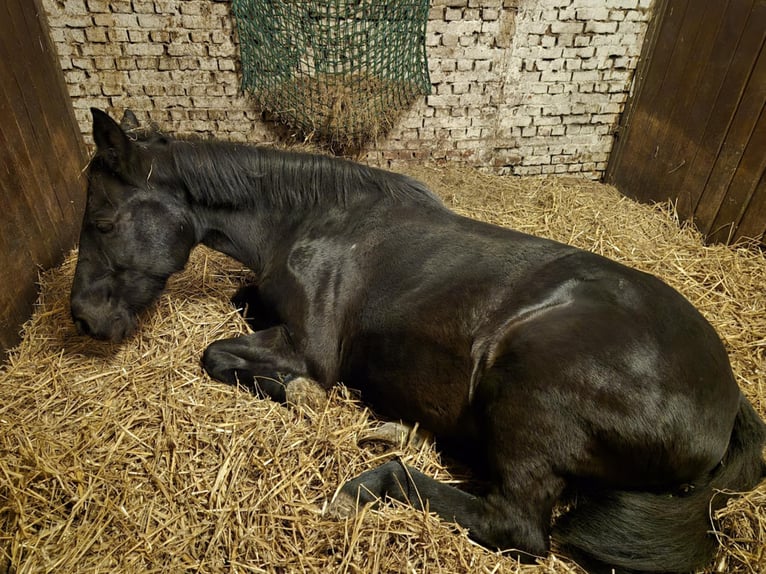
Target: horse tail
652,532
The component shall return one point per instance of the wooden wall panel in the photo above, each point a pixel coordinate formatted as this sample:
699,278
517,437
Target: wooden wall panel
693,129
41,158
741,163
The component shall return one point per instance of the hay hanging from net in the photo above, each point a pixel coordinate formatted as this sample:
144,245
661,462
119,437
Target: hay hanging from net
340,72
130,459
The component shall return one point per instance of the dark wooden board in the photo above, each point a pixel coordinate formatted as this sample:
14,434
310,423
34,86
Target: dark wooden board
693,128
41,158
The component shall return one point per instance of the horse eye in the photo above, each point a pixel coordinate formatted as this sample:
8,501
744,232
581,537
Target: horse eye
104,226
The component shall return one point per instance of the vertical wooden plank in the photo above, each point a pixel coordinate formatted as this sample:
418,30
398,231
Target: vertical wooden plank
41,155
669,115
747,176
619,158
42,138
723,112
27,170
637,138
735,171
21,223
691,131
55,136
753,223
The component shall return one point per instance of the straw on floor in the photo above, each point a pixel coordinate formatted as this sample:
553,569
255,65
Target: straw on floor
129,459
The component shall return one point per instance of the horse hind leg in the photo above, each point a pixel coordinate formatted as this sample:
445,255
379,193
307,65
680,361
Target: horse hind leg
496,520
514,449
671,531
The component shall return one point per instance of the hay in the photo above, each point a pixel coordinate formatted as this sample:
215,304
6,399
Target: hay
129,459
342,112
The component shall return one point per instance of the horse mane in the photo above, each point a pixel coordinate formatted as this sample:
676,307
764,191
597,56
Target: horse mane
226,174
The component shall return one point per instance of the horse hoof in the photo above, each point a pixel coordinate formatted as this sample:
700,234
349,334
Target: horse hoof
341,507
306,393
397,435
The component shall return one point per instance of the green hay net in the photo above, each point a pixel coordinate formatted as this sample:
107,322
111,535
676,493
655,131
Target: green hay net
339,72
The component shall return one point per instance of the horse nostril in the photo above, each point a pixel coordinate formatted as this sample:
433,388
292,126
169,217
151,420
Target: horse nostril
82,326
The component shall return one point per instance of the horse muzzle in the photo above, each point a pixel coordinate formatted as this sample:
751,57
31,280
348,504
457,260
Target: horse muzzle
102,322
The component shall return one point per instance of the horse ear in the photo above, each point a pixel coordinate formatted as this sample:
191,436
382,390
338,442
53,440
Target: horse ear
129,121
111,142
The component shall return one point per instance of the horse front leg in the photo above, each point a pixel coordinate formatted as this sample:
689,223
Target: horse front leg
258,314
266,363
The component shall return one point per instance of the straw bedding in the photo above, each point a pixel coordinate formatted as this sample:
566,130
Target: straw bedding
129,459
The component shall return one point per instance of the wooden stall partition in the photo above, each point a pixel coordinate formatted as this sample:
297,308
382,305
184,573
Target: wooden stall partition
695,126
41,157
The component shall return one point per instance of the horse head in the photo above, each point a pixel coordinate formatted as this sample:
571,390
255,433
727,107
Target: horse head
136,230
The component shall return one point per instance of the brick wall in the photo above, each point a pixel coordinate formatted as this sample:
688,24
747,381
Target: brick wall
519,86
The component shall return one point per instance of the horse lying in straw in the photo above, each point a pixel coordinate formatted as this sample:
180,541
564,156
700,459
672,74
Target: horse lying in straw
558,371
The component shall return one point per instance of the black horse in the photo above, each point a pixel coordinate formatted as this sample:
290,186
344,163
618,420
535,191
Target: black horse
564,374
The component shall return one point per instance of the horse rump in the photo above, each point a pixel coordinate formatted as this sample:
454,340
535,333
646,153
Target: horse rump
626,531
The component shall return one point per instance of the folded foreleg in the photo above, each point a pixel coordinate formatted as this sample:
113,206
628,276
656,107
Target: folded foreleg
265,362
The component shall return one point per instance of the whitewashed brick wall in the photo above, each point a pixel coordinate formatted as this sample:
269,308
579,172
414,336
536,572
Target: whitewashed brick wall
519,86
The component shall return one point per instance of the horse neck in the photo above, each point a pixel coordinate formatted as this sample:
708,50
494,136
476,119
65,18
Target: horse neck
242,176
223,174
235,200
249,198
249,235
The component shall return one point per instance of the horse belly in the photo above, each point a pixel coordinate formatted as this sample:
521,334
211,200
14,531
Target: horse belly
412,378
